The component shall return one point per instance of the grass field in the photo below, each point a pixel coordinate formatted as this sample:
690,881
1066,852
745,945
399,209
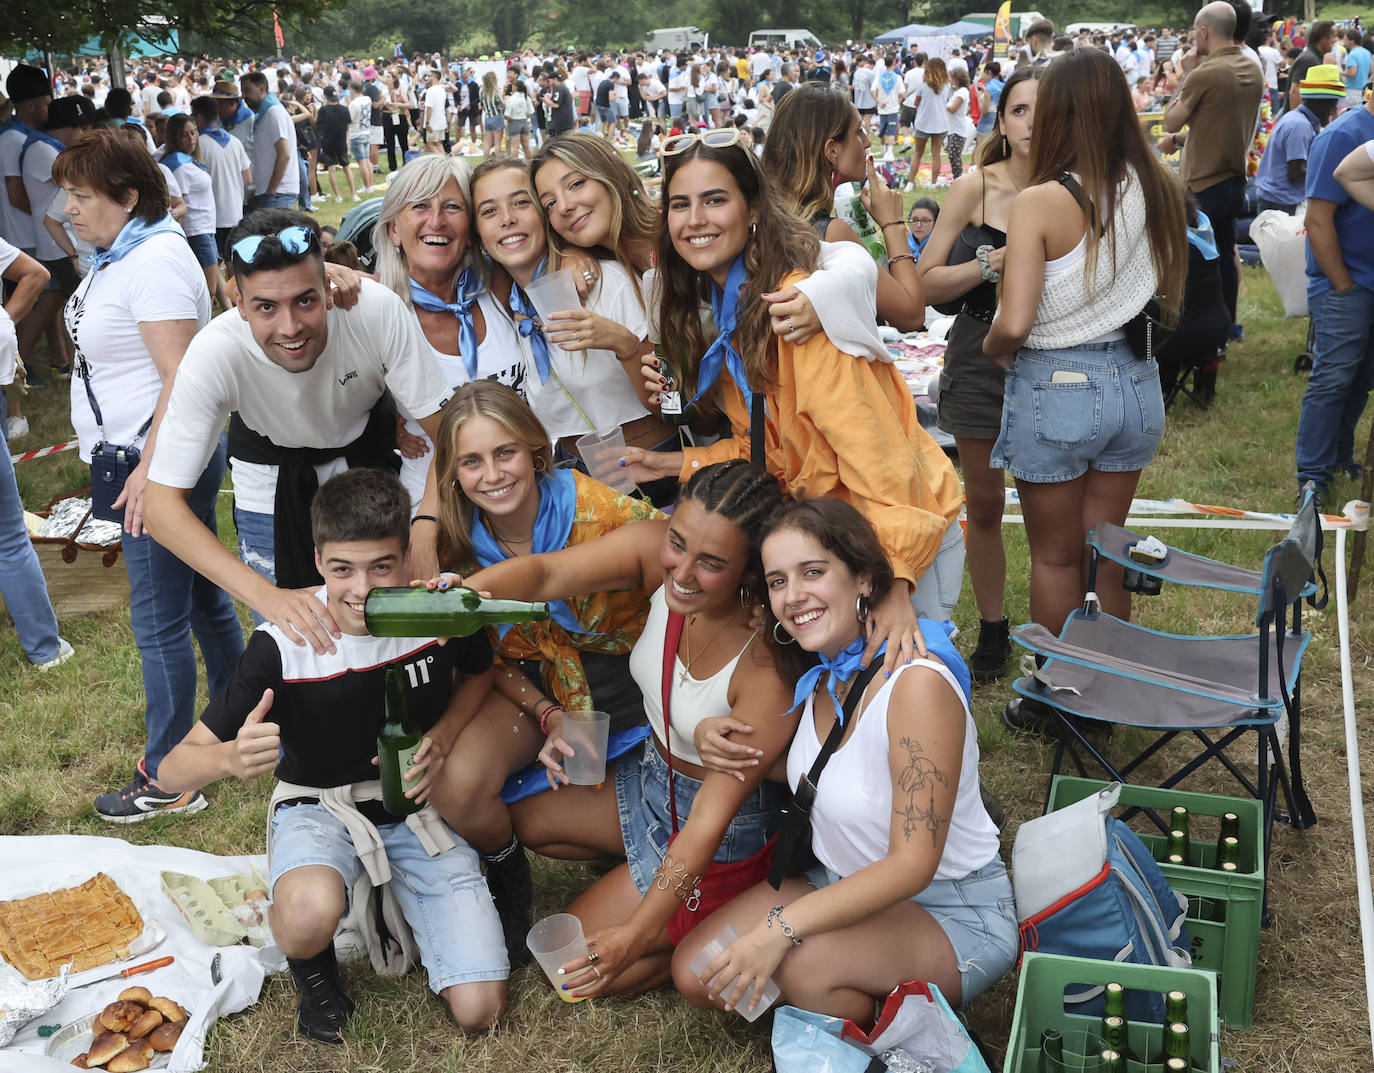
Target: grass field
75,732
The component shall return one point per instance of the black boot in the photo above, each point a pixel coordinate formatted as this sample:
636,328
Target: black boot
324,1007
512,889
992,805
988,661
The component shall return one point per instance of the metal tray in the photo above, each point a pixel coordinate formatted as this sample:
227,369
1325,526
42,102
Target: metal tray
76,1038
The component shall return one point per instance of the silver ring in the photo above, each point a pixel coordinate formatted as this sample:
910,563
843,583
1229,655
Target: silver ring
589,275
597,971
789,324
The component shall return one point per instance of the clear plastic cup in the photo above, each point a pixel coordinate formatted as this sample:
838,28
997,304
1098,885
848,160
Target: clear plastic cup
1082,1054
555,941
553,292
602,450
587,733
708,954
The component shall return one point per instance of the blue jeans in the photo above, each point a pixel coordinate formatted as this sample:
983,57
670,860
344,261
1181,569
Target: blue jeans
22,586
303,197
168,603
1342,375
257,546
276,201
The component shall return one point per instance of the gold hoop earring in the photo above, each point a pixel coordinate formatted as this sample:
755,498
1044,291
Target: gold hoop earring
790,639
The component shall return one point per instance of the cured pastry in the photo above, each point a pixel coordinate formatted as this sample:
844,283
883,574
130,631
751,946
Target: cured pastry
90,924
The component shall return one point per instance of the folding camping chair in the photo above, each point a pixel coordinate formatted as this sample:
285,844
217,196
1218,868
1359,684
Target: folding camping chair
1217,688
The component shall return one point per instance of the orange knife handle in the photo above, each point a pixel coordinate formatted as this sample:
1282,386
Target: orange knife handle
147,966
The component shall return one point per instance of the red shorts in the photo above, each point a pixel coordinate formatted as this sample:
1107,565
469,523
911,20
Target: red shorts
584,101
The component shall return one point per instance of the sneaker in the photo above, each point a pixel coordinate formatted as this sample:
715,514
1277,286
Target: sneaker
357,197
32,379
1238,333
988,661
512,891
324,1007
18,426
65,651
143,798
1352,470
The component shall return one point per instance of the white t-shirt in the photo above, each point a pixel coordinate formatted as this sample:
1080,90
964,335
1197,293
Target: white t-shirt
931,117
958,121
41,189
275,126
499,357
1270,58
863,88
436,99
359,116
911,82
9,342
157,280
226,165
597,381
58,211
887,92
197,191
373,346
16,224
678,85
580,79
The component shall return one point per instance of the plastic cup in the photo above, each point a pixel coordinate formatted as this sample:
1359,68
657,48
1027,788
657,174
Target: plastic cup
602,450
1082,1054
708,954
587,733
555,941
553,292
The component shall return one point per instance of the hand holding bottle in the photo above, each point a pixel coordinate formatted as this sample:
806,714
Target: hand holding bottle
257,745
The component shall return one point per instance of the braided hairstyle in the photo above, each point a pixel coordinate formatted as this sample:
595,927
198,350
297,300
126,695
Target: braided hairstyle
744,495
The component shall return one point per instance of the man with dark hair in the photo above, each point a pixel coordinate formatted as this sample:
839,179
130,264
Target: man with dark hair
276,175
1037,51
1319,39
307,386
559,100
231,174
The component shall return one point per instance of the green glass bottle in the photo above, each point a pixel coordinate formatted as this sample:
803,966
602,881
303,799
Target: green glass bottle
1176,1065
397,745
1114,1000
1113,1061
1176,1041
1175,1007
452,612
1051,1051
1114,1032
1177,849
1228,855
675,409
1230,826
1178,819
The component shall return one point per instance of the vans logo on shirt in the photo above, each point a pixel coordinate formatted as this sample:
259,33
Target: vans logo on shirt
352,374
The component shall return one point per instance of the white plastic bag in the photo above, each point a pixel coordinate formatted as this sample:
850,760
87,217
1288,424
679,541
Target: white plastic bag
1282,242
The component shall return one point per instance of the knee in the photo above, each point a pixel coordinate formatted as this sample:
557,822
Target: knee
305,914
984,506
687,982
476,1007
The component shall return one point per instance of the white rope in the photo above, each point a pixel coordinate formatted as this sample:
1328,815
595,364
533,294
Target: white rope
1352,760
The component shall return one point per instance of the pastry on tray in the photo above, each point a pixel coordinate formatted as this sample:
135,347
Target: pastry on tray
91,924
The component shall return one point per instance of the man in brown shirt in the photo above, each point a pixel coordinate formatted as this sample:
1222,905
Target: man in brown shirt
1218,101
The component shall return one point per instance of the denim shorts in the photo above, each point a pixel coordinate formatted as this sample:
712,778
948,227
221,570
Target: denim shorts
493,123
360,146
444,899
1111,421
606,114
517,127
887,124
978,916
203,246
641,794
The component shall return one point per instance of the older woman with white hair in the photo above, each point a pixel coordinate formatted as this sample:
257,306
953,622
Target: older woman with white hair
425,253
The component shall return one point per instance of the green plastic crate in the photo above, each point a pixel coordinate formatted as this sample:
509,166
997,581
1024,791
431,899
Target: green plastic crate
1224,908
1040,1005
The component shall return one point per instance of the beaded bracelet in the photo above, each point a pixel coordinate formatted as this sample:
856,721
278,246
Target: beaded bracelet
544,717
783,926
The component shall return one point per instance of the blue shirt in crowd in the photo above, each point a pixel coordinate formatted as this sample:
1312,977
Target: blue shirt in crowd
1354,222
1291,139
1359,58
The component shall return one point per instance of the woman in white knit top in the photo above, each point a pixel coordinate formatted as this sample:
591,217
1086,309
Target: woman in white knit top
1099,231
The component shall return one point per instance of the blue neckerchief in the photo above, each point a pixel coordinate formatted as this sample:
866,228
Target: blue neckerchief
530,327
1203,237
1311,117
916,248
468,288
180,160
263,108
133,234
33,137
553,523
242,116
937,638
134,121
217,134
15,123
725,311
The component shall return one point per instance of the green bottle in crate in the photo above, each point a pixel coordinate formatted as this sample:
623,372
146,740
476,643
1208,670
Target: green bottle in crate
1175,1007
1176,1065
1177,849
1112,1061
1228,854
1051,1051
1114,1032
1177,1043
1178,819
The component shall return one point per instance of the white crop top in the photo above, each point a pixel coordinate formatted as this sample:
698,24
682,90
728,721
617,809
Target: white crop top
693,699
851,819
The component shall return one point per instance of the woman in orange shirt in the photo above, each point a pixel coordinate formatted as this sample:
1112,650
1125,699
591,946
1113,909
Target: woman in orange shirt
835,425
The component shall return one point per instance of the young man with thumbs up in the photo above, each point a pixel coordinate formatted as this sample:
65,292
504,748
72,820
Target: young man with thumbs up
313,719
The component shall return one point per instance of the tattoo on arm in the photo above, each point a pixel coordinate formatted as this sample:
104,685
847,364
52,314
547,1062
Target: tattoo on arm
920,773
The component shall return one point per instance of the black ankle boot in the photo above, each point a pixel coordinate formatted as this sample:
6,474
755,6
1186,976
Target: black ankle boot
512,890
988,662
324,1007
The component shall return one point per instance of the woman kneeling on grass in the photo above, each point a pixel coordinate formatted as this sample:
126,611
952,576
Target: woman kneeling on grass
670,817
910,885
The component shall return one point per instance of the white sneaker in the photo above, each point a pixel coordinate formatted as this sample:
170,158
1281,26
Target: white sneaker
356,197
18,426
64,653
888,155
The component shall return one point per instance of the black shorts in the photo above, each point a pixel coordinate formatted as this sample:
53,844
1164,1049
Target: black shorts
64,276
907,117
869,111
333,160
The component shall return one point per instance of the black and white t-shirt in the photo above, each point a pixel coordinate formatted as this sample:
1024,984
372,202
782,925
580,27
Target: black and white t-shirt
331,707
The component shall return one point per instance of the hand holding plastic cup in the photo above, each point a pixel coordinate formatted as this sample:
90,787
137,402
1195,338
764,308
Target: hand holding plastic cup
553,292
555,941
587,733
602,451
708,953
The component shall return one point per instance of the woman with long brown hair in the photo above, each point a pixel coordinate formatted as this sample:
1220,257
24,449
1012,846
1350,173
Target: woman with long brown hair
1098,233
929,99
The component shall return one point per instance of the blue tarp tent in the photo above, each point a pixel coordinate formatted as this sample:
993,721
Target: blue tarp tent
899,35
966,30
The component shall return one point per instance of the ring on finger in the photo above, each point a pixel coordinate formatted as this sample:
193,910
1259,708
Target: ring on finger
588,275
597,971
789,324
593,957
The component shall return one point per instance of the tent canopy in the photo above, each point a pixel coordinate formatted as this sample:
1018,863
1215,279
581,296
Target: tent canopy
899,35
966,29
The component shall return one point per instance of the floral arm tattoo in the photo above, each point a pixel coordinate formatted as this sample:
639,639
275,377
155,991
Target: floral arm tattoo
919,774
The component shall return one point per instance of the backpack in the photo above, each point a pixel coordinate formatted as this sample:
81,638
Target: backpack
1087,886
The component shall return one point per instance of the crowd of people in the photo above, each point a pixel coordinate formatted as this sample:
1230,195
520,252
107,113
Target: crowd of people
795,529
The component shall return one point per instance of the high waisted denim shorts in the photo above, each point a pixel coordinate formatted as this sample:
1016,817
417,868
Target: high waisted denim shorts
641,793
978,916
1108,417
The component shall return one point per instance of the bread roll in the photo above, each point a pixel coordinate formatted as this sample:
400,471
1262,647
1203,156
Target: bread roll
169,1009
104,1047
80,1062
145,1024
138,1056
118,1016
164,1037
141,995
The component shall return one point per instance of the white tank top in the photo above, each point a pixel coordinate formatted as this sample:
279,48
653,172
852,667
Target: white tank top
693,699
851,819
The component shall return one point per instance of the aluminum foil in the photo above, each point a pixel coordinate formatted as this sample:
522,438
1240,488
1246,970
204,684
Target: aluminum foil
898,1061
66,516
23,1000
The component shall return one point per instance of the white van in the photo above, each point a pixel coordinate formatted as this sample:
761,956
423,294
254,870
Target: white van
675,39
783,40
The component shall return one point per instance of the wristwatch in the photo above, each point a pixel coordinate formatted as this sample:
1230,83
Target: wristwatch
989,273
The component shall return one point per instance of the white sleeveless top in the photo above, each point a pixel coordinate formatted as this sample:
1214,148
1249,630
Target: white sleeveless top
851,819
693,700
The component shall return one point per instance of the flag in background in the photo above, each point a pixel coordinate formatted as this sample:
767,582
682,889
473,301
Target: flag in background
276,29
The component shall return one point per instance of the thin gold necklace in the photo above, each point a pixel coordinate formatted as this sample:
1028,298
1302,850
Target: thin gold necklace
687,647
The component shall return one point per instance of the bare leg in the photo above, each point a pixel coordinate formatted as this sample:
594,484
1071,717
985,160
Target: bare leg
307,904
917,152
611,901
985,497
1054,530
1108,499
573,823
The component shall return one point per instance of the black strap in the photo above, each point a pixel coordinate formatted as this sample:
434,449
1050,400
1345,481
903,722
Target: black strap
757,432
84,371
832,741
1069,183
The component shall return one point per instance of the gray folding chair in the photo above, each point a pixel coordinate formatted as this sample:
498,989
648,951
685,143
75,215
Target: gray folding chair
1216,688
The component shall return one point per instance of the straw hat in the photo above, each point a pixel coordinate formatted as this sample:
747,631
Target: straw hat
225,91
1323,80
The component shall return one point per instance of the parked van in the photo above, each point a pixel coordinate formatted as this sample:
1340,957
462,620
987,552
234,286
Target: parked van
783,40
675,39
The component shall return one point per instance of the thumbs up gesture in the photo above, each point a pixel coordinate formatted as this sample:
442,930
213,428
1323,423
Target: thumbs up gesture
255,748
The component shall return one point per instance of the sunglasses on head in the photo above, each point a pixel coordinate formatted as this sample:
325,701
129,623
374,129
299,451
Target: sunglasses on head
297,240
720,138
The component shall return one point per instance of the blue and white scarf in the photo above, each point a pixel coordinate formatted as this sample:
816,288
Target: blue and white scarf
722,352
468,288
134,233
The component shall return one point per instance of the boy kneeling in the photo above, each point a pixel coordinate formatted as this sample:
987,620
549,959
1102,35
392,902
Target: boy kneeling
314,719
